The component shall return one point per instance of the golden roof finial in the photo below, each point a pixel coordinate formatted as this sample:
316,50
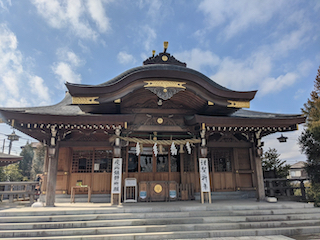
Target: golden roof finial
165,45
153,53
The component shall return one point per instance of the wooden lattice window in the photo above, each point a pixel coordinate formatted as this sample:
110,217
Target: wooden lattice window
82,161
132,162
146,163
188,164
103,160
162,163
175,163
222,160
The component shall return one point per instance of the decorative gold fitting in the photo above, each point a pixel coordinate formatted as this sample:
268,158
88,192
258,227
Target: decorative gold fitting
238,104
160,120
164,84
237,171
153,53
157,188
165,46
210,103
85,100
117,100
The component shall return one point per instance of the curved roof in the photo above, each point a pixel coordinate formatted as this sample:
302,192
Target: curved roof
158,71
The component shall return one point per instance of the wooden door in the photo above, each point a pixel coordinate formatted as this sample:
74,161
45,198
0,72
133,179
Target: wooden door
221,167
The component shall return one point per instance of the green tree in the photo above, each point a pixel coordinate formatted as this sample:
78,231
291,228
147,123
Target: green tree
272,162
13,173
38,161
310,140
2,175
26,163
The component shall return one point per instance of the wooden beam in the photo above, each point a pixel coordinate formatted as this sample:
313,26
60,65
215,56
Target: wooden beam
52,178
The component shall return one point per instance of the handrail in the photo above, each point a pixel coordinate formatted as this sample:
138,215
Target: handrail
13,189
280,187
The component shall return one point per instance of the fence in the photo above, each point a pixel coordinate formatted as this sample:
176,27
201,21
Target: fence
18,191
289,189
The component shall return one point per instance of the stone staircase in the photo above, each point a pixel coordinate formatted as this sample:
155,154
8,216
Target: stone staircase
175,220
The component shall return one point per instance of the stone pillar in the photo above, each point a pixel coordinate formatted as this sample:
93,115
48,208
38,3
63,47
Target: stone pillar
52,176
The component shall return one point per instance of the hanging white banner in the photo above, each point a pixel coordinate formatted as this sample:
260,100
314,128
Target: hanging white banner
116,175
204,175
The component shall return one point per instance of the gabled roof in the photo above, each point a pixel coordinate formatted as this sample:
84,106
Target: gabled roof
298,165
6,159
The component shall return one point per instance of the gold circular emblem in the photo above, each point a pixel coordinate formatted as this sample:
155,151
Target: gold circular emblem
164,58
160,120
157,188
165,90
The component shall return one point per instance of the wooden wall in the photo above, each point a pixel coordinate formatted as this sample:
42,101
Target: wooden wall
240,178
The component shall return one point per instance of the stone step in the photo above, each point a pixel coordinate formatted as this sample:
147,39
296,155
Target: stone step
79,228
175,207
157,221
178,220
172,224
188,234
252,215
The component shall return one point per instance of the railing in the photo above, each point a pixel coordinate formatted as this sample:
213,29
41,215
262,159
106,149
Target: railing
290,189
17,190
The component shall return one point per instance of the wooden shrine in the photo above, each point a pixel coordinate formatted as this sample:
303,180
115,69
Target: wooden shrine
160,119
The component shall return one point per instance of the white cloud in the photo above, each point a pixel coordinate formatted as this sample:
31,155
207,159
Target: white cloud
65,73
197,58
37,86
277,84
72,14
97,13
4,4
243,74
147,36
69,56
156,10
299,93
65,68
13,76
238,16
125,58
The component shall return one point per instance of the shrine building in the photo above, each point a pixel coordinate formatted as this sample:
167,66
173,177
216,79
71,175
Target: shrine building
159,119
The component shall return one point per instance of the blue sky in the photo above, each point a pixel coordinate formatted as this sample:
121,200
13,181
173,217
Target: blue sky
269,45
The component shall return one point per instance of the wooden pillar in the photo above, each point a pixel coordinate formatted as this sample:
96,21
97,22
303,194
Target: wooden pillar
259,176
52,176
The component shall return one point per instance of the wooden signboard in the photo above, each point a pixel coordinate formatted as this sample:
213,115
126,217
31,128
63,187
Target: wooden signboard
204,179
116,181
130,190
158,190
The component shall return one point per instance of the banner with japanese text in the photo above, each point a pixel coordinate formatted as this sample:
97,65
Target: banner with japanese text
116,175
204,175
